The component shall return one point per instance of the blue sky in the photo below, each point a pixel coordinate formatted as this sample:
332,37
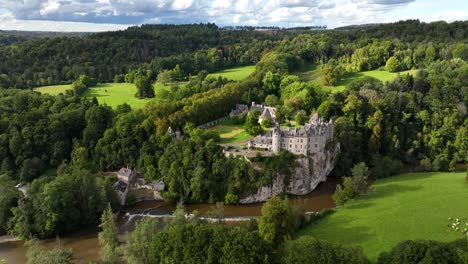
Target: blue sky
100,15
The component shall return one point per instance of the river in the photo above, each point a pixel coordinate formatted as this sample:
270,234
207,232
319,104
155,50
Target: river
85,244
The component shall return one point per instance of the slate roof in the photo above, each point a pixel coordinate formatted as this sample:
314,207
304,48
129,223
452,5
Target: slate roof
121,186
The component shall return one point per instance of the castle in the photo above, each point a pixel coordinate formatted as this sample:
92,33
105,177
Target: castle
308,139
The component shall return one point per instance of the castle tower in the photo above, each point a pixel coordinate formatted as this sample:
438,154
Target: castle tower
276,139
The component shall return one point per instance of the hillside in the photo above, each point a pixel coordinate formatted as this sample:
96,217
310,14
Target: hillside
408,206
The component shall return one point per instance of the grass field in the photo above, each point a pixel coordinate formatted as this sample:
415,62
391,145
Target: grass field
236,74
383,76
112,94
54,89
230,132
407,206
312,73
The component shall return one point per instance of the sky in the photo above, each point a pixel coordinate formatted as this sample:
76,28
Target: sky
104,15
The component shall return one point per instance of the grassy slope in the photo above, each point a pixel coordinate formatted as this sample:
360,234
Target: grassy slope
235,74
230,132
312,73
407,206
112,94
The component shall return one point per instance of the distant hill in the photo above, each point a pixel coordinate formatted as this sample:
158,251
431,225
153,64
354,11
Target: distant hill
8,37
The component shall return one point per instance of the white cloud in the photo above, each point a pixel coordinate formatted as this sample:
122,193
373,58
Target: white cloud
224,12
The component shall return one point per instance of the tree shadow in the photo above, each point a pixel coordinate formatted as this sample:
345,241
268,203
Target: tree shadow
364,203
392,189
346,234
411,176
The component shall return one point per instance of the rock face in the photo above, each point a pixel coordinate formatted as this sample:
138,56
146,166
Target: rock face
307,174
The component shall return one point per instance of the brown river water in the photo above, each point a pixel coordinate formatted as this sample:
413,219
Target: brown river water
85,244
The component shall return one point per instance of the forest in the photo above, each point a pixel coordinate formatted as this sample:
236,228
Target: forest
417,120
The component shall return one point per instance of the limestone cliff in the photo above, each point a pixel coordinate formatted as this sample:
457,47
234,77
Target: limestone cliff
306,175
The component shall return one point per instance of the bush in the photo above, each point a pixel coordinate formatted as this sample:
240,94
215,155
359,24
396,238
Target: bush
352,186
424,165
427,252
308,249
384,166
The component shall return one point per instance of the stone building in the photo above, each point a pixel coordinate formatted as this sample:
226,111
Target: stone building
126,176
308,139
268,112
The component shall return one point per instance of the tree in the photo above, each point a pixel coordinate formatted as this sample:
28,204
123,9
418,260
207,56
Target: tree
9,196
251,123
426,251
352,186
301,117
108,237
144,87
393,65
271,100
57,255
266,123
271,83
277,222
307,249
165,77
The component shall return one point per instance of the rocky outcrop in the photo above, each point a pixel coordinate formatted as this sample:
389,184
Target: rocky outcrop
306,175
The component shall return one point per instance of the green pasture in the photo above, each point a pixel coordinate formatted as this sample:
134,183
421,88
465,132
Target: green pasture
383,76
230,132
54,89
112,94
312,73
236,74
404,207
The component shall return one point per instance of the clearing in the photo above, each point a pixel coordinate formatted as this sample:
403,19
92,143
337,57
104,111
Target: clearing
231,132
112,94
312,73
235,74
405,207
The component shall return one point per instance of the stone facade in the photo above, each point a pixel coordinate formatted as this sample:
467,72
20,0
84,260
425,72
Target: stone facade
306,175
308,139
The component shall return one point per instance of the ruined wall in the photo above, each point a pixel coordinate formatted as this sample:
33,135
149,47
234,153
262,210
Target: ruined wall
305,177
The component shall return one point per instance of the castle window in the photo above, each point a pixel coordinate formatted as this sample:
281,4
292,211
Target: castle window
301,140
290,146
316,145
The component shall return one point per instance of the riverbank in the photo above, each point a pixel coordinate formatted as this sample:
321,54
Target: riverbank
85,244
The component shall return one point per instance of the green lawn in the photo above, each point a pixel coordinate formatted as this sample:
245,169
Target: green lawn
112,94
236,74
407,206
230,132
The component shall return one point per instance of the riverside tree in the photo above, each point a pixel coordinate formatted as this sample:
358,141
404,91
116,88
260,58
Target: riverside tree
108,237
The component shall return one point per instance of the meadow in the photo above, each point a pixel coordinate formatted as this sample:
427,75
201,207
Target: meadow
404,207
112,94
312,73
230,132
235,74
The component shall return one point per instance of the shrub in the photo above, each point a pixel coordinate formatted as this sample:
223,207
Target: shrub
352,186
384,166
308,249
424,165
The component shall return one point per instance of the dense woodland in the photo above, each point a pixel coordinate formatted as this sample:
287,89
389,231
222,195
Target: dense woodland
419,121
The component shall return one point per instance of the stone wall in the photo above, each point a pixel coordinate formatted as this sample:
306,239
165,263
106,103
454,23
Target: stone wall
308,173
